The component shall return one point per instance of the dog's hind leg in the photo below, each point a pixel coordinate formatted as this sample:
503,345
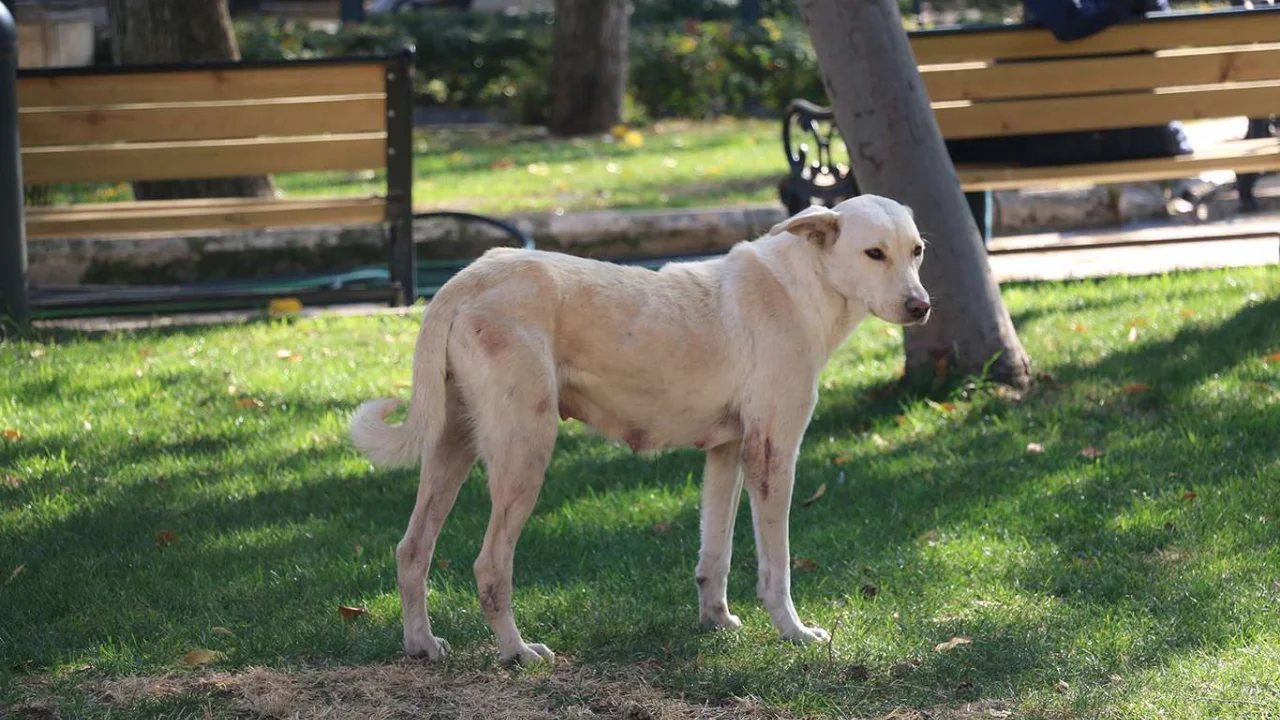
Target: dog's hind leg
444,468
511,391
721,491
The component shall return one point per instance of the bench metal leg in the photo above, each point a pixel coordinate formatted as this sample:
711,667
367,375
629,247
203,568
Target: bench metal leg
13,242
980,204
403,261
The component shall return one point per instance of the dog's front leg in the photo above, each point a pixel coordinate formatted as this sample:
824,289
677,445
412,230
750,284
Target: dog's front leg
721,490
769,455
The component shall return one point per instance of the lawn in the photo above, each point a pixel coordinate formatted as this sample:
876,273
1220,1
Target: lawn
1106,543
665,165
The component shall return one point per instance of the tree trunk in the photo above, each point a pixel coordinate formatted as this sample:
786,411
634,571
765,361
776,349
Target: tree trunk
897,151
588,66
179,31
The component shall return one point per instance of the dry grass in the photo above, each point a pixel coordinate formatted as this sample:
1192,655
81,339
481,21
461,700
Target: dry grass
400,690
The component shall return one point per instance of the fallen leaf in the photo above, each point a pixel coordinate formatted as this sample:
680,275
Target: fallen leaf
1079,327
86,425
1133,333
661,527
249,402
13,482
145,352
964,686
1035,447
952,644
165,538
801,563
201,657
1115,678
502,164
869,591
284,306
878,440
284,353
12,434
16,572
900,419
940,366
37,353
1135,388
822,490
1062,686
902,669
442,563
1272,358
930,537
224,632
1190,495
295,357
838,460
351,612
1091,453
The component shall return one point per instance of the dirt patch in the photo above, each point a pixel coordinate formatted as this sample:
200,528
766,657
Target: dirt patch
410,690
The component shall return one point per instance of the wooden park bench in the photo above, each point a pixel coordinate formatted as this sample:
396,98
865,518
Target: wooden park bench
1187,67
217,120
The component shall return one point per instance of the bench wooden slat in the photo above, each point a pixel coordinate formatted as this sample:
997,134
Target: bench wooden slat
1203,66
1227,28
1240,156
203,121
106,219
201,85
1012,117
202,159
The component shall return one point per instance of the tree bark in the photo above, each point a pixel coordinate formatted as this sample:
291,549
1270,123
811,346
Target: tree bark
179,31
897,151
588,66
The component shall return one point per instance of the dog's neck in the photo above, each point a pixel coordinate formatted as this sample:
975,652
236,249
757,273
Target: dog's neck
830,316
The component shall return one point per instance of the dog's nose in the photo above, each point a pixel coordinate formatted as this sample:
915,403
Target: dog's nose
917,308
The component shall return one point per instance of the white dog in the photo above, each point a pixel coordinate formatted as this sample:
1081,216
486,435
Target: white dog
721,355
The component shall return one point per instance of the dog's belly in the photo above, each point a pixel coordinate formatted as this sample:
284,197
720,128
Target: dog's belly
653,419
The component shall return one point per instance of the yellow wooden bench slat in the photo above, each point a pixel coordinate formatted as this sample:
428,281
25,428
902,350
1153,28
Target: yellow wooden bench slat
105,219
202,121
1201,66
1093,112
203,159
1240,156
202,85
1226,28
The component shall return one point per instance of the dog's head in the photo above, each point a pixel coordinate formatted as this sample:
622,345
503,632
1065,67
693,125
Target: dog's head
871,253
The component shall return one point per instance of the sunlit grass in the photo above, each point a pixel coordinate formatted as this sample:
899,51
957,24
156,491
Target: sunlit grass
1155,562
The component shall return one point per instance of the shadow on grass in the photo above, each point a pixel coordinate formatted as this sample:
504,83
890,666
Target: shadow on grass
274,560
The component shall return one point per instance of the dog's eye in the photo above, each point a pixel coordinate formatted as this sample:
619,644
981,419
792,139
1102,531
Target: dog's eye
918,251
875,254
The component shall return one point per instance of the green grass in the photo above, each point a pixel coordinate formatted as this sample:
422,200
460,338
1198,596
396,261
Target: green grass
675,164
1059,568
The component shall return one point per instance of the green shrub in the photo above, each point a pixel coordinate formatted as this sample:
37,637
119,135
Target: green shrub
502,62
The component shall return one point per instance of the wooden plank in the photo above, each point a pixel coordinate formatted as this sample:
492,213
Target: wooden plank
203,159
1240,156
1013,117
142,207
1228,28
196,85
1203,66
203,121
122,219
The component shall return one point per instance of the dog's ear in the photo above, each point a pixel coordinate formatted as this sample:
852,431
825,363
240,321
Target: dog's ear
819,225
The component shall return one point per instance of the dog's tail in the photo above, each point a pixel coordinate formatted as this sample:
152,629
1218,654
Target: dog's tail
403,445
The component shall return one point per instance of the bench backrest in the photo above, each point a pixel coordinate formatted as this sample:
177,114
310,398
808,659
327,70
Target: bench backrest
1005,81
210,120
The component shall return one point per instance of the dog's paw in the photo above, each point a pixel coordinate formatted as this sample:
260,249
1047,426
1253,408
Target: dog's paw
530,654
803,636
721,621
435,650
